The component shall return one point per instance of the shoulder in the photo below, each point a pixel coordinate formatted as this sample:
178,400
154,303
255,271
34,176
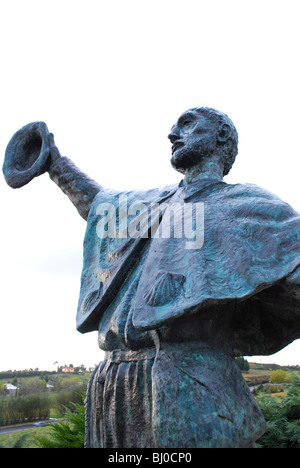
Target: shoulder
128,197
252,198
111,195
249,190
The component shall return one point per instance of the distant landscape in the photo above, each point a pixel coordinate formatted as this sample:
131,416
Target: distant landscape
31,394
47,397
260,373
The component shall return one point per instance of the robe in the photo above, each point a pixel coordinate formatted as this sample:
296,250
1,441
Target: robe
248,259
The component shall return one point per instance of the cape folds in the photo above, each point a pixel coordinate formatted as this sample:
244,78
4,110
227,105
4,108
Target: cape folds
251,245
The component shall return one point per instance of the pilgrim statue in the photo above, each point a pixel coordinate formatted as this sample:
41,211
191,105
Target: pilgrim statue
177,281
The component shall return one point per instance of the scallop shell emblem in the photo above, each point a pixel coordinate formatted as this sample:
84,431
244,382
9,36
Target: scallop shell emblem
90,300
164,289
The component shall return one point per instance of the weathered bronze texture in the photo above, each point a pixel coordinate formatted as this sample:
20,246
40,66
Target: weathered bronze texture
26,154
172,311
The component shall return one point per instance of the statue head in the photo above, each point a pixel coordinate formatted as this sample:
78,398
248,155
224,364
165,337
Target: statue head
200,134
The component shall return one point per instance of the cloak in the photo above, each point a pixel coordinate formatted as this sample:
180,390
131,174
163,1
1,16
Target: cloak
248,258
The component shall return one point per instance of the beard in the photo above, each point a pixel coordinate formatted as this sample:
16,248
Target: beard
192,154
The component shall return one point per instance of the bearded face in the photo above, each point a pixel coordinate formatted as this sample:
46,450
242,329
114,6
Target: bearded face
193,138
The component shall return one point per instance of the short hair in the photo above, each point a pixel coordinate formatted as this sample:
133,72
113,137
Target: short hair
230,149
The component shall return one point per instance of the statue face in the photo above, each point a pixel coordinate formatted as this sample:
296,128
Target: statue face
193,137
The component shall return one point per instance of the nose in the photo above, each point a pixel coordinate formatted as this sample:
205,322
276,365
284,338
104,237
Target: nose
173,135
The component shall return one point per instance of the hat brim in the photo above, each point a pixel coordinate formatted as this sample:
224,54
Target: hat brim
26,154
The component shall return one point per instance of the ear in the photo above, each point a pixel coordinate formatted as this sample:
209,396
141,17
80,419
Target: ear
224,133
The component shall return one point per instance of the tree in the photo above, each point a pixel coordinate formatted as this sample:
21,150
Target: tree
32,385
280,376
242,363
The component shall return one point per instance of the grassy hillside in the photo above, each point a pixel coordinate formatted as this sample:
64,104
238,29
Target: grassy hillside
260,373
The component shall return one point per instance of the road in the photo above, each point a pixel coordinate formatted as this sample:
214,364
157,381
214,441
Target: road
23,427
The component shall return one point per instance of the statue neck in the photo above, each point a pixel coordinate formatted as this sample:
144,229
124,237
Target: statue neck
210,169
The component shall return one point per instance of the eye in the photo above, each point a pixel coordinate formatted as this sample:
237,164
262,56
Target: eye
186,123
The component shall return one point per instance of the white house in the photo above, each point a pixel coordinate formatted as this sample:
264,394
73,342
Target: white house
12,390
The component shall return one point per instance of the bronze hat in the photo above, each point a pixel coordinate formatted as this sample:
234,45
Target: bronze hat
26,154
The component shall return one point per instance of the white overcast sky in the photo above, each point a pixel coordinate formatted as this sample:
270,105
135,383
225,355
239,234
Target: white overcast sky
110,79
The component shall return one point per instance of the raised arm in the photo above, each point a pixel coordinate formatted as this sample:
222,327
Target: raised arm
31,152
79,187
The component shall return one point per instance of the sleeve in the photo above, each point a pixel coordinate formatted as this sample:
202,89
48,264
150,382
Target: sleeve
79,187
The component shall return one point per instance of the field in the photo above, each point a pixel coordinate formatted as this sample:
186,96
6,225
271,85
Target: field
256,376
25,438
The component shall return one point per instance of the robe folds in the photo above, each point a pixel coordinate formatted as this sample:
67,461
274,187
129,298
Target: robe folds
249,257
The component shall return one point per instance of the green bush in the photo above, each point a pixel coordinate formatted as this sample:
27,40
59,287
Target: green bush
67,434
65,400
25,408
282,419
280,376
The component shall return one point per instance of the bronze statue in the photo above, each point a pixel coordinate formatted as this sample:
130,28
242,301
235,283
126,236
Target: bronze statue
177,281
